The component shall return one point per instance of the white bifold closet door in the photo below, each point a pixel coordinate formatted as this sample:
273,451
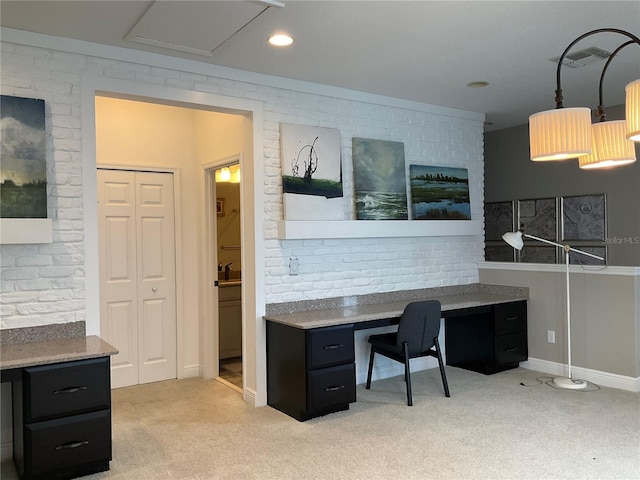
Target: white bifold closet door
137,274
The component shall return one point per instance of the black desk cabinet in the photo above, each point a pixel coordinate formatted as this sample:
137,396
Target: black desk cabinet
62,420
487,339
310,372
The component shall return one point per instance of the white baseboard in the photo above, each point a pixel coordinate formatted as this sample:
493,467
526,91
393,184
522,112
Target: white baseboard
6,451
394,369
604,379
249,396
191,371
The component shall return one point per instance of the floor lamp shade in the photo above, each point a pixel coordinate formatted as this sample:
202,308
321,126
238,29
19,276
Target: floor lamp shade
611,147
632,111
560,134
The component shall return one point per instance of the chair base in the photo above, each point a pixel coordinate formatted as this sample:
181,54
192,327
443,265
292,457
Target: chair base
404,359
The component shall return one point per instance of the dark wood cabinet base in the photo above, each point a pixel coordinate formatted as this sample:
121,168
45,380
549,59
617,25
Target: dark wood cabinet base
62,420
487,339
311,372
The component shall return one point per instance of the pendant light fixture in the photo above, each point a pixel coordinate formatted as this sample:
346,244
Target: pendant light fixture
567,132
610,145
633,111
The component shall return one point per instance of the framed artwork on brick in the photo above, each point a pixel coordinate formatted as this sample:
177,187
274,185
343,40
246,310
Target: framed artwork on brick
439,193
23,172
311,173
380,179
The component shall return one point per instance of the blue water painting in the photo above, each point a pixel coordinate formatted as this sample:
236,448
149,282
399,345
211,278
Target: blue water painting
439,193
381,206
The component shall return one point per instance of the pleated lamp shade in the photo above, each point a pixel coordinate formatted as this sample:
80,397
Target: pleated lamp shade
560,134
632,111
611,148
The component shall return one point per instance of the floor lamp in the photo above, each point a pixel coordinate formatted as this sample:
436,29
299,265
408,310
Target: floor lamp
515,239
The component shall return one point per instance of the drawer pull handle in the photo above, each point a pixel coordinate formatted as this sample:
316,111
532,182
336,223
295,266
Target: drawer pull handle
512,349
69,390
334,389
71,445
510,319
333,347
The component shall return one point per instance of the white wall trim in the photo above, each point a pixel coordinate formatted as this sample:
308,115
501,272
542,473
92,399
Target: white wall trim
205,68
92,86
26,230
190,371
603,379
249,396
542,267
299,230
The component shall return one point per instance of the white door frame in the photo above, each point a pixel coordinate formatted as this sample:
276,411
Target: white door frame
254,342
210,317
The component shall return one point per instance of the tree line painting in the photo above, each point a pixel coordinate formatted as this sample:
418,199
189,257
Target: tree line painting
23,174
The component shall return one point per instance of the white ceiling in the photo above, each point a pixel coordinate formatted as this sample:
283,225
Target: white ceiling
426,51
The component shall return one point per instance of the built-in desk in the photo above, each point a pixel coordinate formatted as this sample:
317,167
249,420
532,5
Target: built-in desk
61,406
311,355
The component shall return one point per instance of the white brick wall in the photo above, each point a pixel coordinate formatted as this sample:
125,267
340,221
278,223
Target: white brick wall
43,284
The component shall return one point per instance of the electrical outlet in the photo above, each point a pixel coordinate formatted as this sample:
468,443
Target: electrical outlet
294,266
551,336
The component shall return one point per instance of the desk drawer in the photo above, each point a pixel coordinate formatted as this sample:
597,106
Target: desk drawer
67,442
330,346
510,317
66,388
511,348
331,386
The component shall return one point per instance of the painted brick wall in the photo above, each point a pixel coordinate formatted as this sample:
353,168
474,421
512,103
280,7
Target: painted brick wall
45,283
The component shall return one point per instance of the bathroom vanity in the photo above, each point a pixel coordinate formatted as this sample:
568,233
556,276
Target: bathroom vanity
230,318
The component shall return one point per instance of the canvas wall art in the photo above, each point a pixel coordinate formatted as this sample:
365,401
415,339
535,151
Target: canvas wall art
23,171
380,180
584,218
311,173
439,193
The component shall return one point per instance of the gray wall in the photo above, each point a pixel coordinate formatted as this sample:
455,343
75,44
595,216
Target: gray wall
604,316
511,175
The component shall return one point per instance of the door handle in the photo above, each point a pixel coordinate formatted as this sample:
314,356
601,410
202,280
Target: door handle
154,289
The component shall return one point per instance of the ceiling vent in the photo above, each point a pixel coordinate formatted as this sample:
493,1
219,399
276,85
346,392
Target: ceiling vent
582,58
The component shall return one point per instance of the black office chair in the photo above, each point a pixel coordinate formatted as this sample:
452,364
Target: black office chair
417,336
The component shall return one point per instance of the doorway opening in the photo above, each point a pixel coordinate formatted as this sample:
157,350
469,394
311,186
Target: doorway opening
151,135
228,235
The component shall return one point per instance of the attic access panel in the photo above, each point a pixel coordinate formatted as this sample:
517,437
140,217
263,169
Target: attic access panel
194,27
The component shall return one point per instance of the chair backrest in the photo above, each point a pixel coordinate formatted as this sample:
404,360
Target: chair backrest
419,325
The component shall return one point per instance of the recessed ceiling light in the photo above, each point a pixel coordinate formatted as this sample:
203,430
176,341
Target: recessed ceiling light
280,40
477,84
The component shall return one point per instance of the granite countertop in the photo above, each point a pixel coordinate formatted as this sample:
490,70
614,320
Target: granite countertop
325,317
43,352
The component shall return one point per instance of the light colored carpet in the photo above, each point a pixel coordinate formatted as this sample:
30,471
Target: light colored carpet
492,427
